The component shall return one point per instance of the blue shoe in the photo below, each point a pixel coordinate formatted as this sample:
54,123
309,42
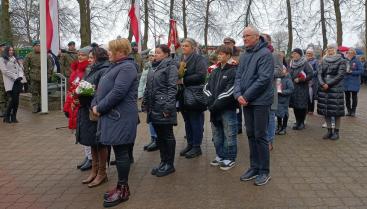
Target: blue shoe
262,179
249,175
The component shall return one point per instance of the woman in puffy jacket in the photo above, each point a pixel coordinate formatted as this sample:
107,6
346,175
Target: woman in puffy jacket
13,76
331,91
160,104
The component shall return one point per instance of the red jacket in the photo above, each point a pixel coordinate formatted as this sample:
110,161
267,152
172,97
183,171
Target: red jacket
71,105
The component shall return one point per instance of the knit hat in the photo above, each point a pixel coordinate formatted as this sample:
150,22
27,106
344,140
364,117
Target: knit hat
35,42
298,51
71,43
229,39
85,50
333,46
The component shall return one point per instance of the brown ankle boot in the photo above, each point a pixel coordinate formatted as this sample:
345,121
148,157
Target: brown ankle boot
101,175
95,163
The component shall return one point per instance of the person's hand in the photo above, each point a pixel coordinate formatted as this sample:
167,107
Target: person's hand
166,114
325,87
242,101
180,81
18,79
66,114
95,111
296,80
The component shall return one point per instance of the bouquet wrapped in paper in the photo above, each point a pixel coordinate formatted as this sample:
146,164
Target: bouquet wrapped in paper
85,89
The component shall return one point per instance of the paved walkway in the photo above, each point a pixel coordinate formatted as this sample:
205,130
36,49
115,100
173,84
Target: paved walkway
38,170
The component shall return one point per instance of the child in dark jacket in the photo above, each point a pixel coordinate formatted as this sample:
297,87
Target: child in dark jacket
222,107
285,89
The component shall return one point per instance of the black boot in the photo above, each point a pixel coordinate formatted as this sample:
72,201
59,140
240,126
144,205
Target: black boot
147,145
6,118
335,135
87,165
353,112
296,125
194,152
349,111
152,147
185,150
166,169
279,127
13,117
328,134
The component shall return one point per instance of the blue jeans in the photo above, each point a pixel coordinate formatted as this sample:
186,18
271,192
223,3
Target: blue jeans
270,134
256,122
153,134
225,135
194,127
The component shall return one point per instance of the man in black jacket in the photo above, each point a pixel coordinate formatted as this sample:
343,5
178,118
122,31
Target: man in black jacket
222,107
254,91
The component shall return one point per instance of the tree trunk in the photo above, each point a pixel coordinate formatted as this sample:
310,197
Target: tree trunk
6,33
323,25
365,27
85,29
248,12
172,2
130,37
339,25
184,23
290,28
146,25
206,27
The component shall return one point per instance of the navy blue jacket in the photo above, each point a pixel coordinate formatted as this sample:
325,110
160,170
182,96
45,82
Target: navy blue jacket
352,81
116,100
254,76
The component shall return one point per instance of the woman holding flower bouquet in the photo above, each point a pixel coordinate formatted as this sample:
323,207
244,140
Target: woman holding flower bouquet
86,128
160,104
71,105
301,73
116,105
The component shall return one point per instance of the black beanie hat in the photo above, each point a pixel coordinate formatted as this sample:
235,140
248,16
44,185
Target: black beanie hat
298,50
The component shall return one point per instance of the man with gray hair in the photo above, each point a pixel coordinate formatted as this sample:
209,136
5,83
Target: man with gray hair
253,90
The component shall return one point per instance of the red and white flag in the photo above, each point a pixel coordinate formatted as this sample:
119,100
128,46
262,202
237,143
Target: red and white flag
52,26
134,15
173,42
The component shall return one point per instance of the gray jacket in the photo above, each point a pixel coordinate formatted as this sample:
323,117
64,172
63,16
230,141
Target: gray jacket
255,74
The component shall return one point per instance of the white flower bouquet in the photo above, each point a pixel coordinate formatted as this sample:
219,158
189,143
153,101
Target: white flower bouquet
85,88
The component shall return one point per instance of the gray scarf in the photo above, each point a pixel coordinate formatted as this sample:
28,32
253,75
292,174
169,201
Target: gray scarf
332,58
298,63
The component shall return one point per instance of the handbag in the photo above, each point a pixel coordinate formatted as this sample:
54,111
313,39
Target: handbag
194,98
92,116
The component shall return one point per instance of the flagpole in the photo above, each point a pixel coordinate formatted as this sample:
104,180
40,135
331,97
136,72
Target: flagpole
44,96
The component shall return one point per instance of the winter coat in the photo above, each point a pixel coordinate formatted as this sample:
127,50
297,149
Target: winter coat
254,76
116,101
86,129
313,84
11,70
143,79
160,94
71,105
331,72
352,81
300,96
278,67
219,91
285,96
195,74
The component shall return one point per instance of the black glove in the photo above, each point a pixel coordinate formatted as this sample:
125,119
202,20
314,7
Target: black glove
66,114
18,79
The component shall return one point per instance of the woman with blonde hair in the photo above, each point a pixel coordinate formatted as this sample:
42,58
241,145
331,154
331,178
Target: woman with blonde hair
116,105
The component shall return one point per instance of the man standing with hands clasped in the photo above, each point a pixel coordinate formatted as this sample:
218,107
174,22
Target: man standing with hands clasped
253,90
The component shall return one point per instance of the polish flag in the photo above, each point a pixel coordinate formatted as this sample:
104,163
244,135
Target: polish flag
52,26
134,15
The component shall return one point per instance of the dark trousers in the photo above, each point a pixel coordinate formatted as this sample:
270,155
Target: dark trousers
166,142
122,155
194,127
13,103
300,115
256,122
351,104
239,118
311,105
282,122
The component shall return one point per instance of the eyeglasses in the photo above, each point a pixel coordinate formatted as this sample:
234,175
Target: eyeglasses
246,36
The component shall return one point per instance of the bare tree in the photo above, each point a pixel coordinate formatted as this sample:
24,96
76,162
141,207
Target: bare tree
290,28
323,25
85,19
184,23
5,32
280,40
339,25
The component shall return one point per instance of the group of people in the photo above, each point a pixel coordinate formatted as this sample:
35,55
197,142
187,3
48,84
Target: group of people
255,83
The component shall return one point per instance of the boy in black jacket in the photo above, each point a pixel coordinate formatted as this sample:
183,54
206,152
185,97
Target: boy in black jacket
222,107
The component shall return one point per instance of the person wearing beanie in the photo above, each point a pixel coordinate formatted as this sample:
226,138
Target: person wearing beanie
66,57
301,73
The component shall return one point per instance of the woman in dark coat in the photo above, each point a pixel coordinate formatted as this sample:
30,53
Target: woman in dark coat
301,73
195,68
86,129
331,93
352,82
160,104
116,105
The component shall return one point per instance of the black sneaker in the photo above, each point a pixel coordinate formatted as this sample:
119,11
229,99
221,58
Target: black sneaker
194,152
262,179
227,164
186,150
249,175
216,161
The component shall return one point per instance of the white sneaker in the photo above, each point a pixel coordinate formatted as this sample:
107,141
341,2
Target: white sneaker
216,162
227,164
324,125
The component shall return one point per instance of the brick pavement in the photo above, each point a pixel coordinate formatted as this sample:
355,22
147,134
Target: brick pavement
37,170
